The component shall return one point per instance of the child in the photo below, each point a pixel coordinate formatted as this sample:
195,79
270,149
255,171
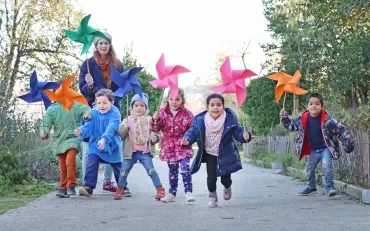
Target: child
317,137
214,130
66,144
174,120
138,146
105,146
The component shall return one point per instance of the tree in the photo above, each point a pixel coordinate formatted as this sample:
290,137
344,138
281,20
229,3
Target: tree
155,95
32,38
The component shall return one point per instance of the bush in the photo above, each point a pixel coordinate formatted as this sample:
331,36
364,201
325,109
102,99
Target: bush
11,170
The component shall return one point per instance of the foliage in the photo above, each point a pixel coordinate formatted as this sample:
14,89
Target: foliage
144,77
11,169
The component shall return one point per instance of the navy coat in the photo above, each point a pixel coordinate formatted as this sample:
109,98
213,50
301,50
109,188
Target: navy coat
228,156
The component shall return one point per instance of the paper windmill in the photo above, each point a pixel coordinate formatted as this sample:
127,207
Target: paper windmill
287,83
84,34
65,95
126,81
168,76
233,81
36,93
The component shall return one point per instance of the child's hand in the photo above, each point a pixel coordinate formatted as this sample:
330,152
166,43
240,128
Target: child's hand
283,113
44,135
153,138
87,116
185,142
78,132
156,116
101,144
126,125
246,136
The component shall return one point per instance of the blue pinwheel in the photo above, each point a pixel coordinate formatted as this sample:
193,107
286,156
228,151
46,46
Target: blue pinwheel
126,81
37,93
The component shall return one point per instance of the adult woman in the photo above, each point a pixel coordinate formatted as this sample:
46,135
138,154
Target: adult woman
95,75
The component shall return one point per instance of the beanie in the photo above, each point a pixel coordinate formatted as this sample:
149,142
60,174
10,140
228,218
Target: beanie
109,37
137,97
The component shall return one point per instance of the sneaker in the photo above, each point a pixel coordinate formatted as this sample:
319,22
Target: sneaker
169,198
212,200
227,194
308,192
109,187
160,193
71,191
189,197
62,193
127,192
86,191
119,194
332,192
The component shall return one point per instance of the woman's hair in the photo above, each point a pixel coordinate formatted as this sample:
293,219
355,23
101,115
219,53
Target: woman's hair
215,96
105,92
180,93
112,53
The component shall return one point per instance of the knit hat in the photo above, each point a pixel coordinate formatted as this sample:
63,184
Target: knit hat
145,99
109,37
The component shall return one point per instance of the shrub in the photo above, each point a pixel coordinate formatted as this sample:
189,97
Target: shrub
11,170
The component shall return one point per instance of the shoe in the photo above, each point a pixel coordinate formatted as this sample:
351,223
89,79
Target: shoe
189,197
308,192
169,198
71,191
212,200
332,192
109,187
127,192
62,193
160,193
227,194
86,191
119,194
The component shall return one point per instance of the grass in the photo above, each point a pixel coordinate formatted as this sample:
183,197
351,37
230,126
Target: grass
12,197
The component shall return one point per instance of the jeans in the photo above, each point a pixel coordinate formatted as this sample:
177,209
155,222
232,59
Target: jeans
108,171
147,161
211,162
314,158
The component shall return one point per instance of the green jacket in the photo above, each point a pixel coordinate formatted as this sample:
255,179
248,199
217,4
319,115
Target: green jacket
64,126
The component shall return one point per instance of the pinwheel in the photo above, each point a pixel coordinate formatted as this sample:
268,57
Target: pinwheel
126,81
233,81
168,76
37,93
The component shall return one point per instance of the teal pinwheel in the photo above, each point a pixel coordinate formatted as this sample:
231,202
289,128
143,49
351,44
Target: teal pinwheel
84,34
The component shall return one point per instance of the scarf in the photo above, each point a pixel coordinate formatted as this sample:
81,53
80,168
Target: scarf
214,125
141,128
104,66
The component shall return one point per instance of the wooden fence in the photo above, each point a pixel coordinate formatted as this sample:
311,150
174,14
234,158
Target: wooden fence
352,167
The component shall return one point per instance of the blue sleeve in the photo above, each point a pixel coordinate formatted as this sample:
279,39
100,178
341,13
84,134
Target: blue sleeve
191,133
112,128
87,129
238,134
84,88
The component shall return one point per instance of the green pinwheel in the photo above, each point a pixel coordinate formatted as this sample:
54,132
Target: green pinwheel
84,34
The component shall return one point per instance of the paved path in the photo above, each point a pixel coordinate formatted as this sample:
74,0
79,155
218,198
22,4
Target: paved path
262,200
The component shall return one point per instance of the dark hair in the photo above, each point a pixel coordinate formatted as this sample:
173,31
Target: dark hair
105,92
215,96
315,95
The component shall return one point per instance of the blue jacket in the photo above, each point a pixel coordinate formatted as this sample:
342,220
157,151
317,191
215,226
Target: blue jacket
228,156
104,126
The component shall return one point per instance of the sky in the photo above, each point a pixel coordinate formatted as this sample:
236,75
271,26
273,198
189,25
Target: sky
189,33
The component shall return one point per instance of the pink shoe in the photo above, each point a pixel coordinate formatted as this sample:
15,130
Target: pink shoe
109,187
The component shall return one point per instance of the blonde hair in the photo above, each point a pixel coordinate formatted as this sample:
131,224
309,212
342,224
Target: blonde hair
105,92
180,93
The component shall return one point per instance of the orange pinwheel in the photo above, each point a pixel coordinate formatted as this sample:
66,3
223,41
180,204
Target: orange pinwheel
65,95
287,83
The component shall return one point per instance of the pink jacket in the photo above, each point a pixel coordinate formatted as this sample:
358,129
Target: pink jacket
173,129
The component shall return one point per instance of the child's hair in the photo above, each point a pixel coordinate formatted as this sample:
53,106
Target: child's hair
181,93
105,92
215,96
315,95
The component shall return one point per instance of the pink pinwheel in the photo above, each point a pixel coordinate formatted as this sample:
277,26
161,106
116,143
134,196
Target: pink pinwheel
168,76
233,81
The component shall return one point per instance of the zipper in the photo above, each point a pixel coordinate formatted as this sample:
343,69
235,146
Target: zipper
201,146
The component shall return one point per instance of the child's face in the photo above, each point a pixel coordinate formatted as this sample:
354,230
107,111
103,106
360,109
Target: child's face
103,46
215,108
175,104
314,106
103,104
138,108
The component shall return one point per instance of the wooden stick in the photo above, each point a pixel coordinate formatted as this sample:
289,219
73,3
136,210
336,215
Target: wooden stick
87,63
127,106
283,106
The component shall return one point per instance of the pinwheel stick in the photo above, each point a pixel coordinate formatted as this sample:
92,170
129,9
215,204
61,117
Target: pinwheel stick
161,99
87,64
127,106
283,106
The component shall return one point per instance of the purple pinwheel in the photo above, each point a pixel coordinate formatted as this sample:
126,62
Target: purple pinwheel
37,93
126,81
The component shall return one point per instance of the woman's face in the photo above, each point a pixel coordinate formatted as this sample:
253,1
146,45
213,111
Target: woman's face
103,46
